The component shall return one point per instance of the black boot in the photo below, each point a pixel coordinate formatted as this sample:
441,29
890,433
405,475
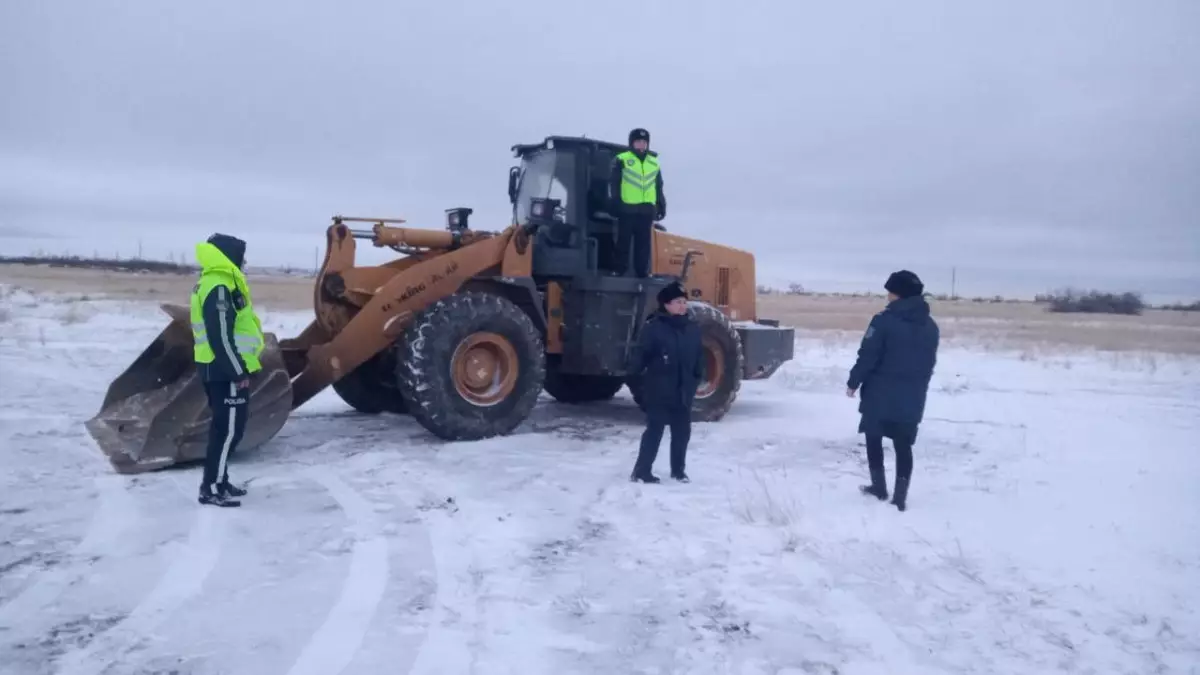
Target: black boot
901,496
645,478
878,486
227,489
207,496
680,476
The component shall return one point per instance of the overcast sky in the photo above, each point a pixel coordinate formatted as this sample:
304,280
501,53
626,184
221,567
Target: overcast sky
1029,144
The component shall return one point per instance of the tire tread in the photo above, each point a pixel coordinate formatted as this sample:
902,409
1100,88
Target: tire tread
423,366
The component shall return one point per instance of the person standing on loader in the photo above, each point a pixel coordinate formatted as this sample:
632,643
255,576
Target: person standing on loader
895,363
670,359
636,190
228,342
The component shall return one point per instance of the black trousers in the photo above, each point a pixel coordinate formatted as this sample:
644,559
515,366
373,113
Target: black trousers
904,456
657,420
230,407
634,230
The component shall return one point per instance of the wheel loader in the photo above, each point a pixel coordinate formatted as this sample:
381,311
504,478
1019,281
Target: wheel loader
466,328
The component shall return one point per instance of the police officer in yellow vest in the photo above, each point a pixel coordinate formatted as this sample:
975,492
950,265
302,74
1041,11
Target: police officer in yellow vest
228,342
636,189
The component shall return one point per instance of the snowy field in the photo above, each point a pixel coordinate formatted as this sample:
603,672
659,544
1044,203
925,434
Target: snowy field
1053,526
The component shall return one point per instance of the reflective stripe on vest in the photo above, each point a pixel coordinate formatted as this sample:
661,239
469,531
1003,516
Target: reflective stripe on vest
247,336
245,344
639,179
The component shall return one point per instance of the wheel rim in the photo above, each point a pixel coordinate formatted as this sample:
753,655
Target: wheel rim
484,368
714,369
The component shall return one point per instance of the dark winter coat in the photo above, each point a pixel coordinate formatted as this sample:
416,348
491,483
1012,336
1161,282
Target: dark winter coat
670,359
895,363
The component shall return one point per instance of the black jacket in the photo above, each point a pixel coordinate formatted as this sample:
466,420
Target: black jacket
894,366
614,191
670,359
219,309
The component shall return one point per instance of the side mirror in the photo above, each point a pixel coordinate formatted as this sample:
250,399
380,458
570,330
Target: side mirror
513,174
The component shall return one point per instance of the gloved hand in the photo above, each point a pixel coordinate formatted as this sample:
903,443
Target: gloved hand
662,213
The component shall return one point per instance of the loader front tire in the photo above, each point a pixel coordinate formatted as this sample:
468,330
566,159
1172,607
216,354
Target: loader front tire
371,388
471,366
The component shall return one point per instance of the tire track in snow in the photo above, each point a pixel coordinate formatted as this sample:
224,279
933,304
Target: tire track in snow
859,622
369,558
182,581
115,515
334,645
441,644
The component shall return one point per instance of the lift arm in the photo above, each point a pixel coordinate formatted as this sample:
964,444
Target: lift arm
398,294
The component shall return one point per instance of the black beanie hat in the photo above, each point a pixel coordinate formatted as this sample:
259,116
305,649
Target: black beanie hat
904,284
231,246
670,292
639,134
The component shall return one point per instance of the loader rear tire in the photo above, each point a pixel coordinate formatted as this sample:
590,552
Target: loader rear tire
571,388
371,388
723,358
471,366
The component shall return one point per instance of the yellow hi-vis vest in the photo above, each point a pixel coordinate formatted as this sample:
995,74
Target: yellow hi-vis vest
218,270
638,178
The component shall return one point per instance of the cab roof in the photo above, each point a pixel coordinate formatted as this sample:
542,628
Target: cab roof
569,141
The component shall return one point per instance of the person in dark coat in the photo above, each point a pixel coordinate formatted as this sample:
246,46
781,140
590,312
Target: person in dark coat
894,366
670,359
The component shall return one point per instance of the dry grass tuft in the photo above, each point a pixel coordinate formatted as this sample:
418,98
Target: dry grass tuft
6,294
762,502
74,314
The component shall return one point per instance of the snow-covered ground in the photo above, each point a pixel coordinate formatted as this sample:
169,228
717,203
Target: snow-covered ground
1054,526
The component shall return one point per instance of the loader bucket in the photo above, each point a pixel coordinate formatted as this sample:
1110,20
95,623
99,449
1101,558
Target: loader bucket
156,413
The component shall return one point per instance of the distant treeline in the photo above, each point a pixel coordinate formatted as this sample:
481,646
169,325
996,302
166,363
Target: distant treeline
1065,301
135,265
114,264
1070,300
1062,301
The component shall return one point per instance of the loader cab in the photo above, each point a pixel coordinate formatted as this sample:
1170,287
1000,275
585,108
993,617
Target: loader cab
561,189
576,236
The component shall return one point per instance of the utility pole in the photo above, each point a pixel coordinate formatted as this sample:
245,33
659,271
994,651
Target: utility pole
953,283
